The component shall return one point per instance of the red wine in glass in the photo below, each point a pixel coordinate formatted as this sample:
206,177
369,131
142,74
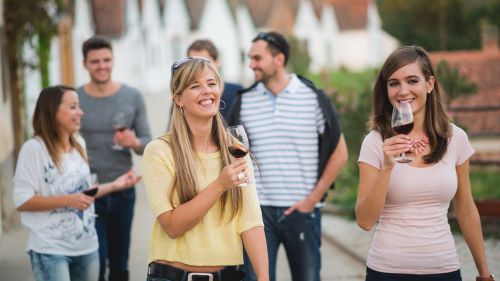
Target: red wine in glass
91,192
402,123
119,124
403,129
238,151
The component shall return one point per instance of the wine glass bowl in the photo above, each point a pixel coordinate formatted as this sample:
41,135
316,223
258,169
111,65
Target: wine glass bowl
239,145
92,191
402,123
119,124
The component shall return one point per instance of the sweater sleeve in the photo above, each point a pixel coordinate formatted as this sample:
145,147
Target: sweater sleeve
251,215
158,174
371,150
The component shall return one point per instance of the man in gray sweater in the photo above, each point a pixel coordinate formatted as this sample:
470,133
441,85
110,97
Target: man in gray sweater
101,100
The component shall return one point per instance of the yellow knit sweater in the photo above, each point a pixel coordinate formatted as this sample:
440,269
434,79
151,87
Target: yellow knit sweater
211,242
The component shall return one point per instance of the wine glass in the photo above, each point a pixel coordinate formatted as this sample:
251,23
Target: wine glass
119,125
239,145
402,123
92,191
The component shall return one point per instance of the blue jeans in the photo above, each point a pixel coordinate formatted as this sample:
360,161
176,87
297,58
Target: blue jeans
64,268
373,275
300,234
113,225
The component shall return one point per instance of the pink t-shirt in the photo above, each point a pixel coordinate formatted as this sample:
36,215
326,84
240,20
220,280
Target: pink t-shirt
413,235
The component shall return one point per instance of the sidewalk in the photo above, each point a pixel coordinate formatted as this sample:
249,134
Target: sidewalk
357,242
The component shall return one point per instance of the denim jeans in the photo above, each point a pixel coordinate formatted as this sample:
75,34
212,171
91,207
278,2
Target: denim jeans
373,275
300,234
64,268
113,225
152,278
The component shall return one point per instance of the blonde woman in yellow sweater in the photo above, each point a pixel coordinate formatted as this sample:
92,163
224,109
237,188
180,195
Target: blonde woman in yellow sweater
192,185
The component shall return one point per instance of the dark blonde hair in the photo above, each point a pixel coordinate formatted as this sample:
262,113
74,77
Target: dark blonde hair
437,120
181,141
45,123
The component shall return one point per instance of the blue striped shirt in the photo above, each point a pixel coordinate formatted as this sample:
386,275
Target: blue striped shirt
283,133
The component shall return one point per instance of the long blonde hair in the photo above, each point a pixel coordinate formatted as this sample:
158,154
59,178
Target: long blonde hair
45,123
182,144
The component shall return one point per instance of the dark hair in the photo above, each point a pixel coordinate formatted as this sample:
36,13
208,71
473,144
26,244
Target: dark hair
208,45
95,43
276,43
45,122
437,120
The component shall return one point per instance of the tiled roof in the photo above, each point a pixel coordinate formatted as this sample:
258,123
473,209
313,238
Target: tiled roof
260,11
351,14
477,112
109,17
318,7
195,9
282,17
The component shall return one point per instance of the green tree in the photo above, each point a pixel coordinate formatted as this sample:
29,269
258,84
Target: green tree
454,82
299,58
33,22
434,25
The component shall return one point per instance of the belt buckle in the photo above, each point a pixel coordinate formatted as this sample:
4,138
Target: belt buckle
190,276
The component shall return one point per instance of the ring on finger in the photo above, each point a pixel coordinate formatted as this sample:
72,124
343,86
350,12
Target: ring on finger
84,205
241,176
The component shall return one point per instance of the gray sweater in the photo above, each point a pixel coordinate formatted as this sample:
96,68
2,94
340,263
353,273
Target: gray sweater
98,132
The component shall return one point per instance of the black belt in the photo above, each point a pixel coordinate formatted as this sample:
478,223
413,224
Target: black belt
229,273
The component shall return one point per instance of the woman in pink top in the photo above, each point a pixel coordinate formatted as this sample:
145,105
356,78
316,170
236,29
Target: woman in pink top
413,238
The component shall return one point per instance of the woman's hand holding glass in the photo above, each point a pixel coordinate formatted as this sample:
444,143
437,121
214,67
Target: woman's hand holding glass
79,201
229,179
393,148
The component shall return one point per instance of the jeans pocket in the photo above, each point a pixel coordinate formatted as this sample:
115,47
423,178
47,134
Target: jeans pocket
129,193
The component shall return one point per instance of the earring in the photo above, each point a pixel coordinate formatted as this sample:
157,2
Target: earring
224,105
182,111
429,92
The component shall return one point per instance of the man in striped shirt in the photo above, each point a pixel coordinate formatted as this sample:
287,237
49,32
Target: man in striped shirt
295,135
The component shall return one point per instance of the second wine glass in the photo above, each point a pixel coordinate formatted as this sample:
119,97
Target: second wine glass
119,124
238,145
402,123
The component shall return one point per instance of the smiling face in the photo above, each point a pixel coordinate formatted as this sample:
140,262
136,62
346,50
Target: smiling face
408,85
99,63
262,61
200,99
69,113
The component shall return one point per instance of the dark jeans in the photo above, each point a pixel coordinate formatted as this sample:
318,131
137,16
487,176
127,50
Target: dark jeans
373,275
113,224
300,234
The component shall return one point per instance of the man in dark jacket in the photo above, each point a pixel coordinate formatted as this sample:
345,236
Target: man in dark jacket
295,135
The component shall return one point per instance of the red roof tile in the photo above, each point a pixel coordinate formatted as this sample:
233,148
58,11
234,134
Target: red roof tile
477,112
195,10
109,17
351,14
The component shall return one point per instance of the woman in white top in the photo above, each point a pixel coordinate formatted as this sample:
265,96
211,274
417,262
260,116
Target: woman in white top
52,171
413,239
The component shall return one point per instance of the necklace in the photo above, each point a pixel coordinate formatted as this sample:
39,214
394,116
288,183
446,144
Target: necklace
419,145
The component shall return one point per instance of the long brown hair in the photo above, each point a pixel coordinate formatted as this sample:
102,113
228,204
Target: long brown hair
45,123
181,141
437,120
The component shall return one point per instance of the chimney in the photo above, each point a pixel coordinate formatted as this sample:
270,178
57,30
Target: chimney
490,38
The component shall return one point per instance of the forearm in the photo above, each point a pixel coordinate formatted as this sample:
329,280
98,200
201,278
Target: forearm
370,206
137,147
40,203
186,216
105,189
256,247
470,224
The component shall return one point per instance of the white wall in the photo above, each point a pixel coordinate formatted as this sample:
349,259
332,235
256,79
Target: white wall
32,85
331,34
246,33
176,30
154,50
374,29
354,49
307,28
217,24
128,50
83,29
